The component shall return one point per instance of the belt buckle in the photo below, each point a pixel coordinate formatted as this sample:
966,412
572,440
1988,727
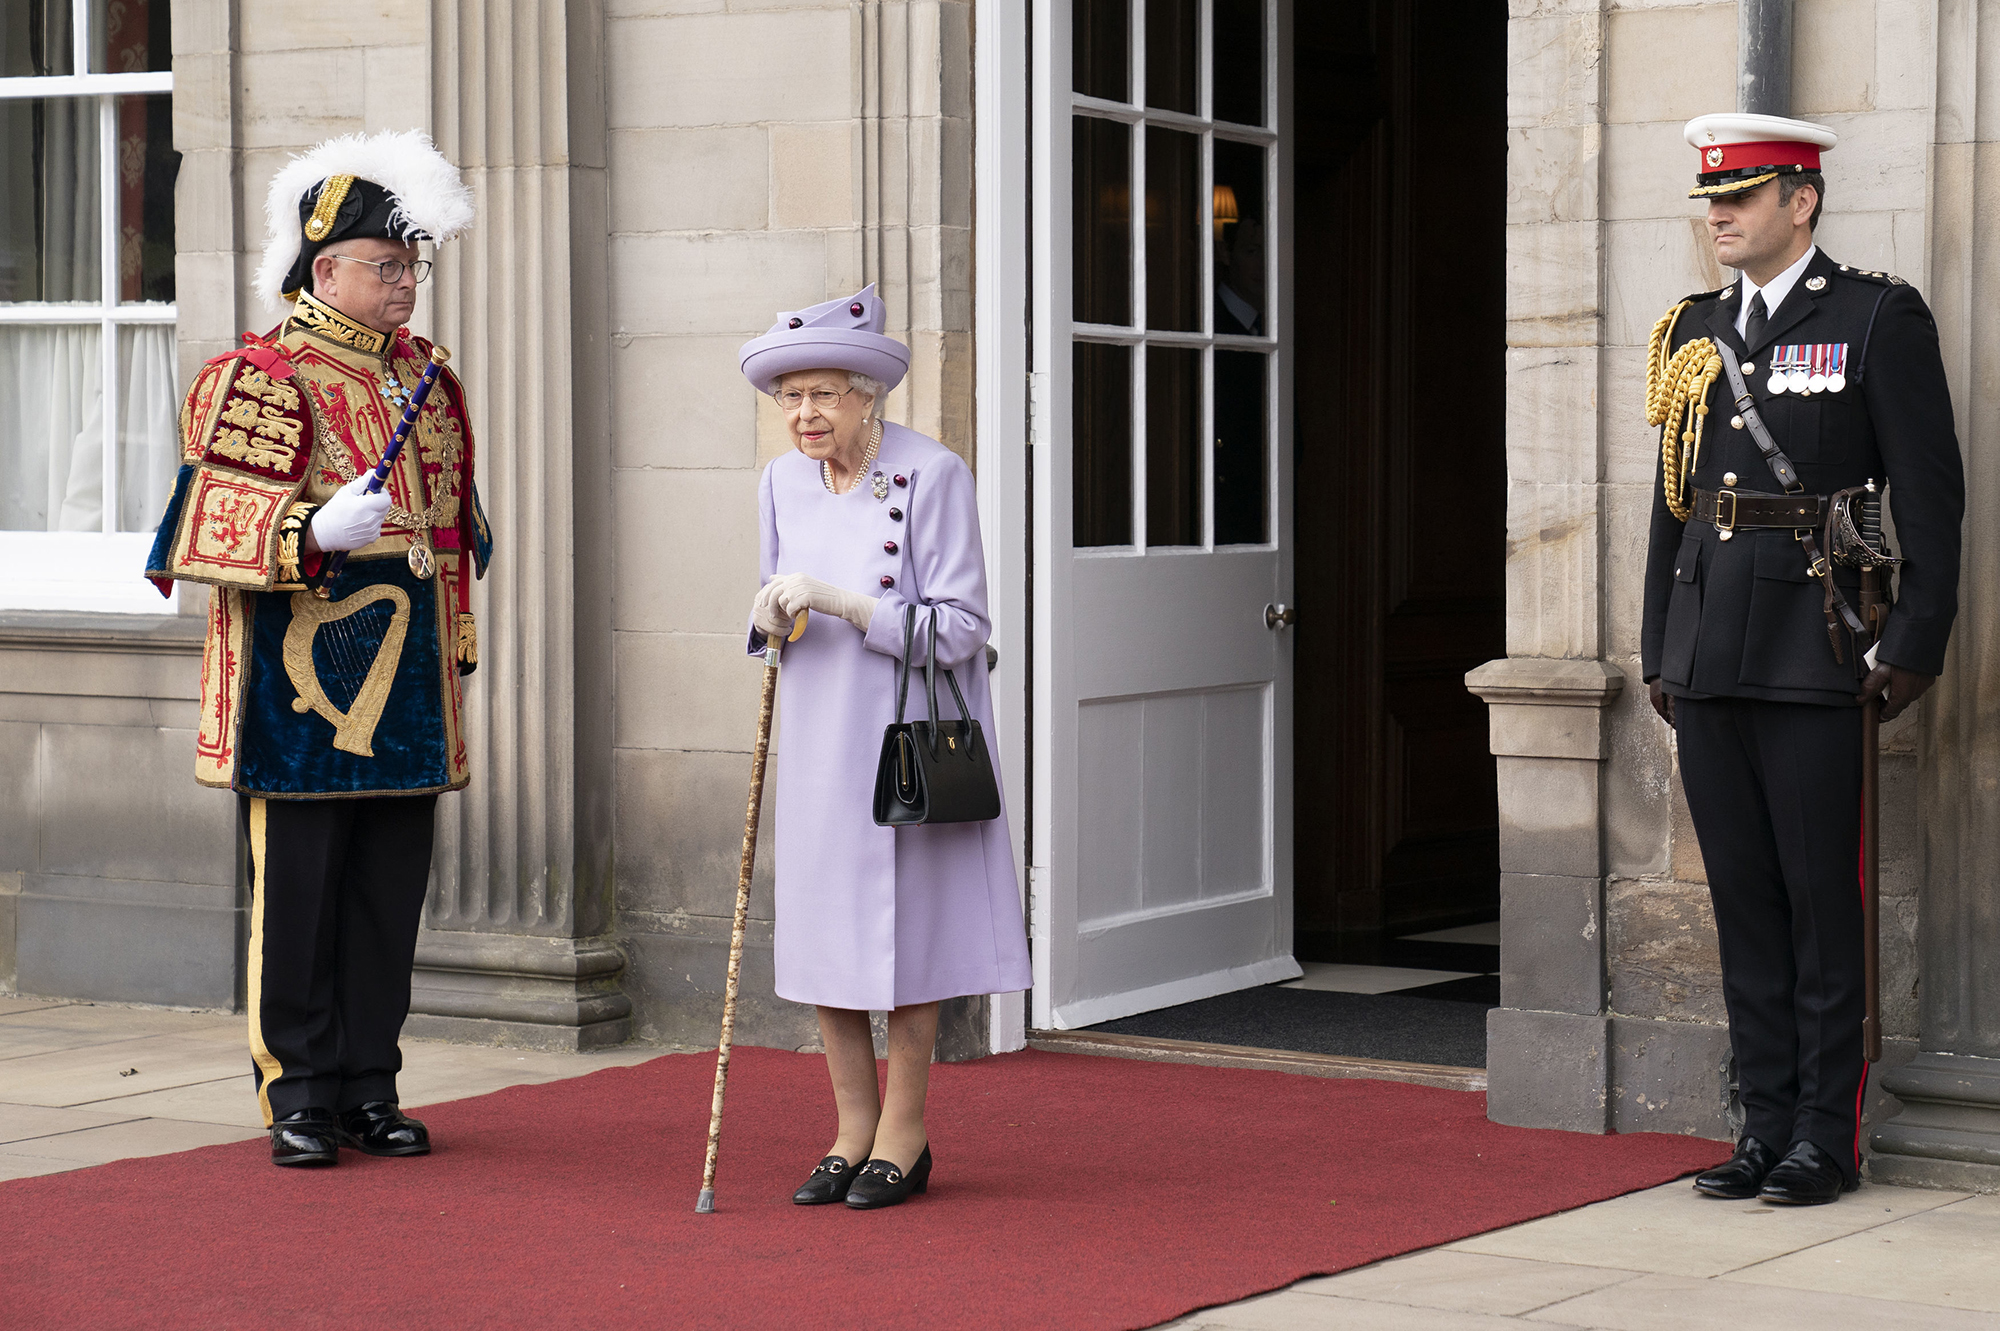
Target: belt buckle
1726,530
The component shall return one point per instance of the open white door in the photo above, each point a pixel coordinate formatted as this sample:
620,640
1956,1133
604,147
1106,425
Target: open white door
1162,505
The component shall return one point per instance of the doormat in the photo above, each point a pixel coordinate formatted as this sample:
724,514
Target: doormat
1319,1021
1070,1192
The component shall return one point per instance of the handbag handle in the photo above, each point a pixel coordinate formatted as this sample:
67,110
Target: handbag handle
903,666
930,687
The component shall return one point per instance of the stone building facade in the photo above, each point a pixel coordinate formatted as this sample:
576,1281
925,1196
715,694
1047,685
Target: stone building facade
657,177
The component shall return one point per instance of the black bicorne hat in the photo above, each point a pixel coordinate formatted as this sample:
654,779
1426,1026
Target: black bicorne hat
345,208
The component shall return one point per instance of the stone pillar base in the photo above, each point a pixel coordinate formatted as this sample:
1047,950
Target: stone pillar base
511,989
1548,1070
1948,1135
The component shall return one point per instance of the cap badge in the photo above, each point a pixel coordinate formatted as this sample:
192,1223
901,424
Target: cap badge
1815,284
1714,158
331,196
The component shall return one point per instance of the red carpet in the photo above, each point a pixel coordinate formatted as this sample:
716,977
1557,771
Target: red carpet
1071,1192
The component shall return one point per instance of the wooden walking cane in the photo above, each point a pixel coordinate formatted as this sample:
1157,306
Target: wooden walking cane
751,817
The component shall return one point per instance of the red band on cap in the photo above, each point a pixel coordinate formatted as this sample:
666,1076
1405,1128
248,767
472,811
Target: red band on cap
1742,156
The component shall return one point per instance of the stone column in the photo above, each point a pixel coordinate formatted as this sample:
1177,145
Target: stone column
517,947
1948,1133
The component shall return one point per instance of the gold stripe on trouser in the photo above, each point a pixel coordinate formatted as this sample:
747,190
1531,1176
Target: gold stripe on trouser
267,1062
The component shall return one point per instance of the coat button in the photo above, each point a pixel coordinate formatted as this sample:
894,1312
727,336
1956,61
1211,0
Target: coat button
1729,478
1748,368
890,547
888,581
895,515
902,480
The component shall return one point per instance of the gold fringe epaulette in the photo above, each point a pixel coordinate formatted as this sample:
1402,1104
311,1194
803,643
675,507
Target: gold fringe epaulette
468,639
1677,401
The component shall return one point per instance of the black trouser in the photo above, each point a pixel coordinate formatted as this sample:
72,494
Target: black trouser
1775,790
337,894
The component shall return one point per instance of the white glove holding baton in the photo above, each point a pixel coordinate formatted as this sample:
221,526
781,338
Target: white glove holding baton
351,520
801,591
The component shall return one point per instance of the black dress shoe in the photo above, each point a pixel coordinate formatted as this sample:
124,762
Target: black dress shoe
309,1137
879,1183
1807,1176
1739,1178
830,1180
380,1128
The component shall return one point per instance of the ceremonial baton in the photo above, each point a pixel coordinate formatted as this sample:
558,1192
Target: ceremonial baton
380,474
751,817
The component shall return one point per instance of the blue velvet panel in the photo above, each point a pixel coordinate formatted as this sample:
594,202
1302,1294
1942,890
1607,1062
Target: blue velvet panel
287,752
170,521
482,537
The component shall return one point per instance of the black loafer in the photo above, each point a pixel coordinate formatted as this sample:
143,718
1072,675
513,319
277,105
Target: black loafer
309,1137
830,1180
1739,1179
1807,1176
380,1128
879,1183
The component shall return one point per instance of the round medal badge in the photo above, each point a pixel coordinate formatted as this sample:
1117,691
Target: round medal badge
1835,382
1816,384
1779,382
422,562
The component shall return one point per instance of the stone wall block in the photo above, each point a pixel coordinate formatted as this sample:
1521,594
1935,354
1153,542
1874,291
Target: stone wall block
1670,63
1552,570
1552,287
675,979
1552,173
1653,264
130,951
202,83
1670,1076
20,796
1639,783
1551,942
730,283
669,522
660,674
681,402
1548,816
726,69
1882,163
396,80
1628,518
812,174
122,803
690,179
680,819
1547,1070
1554,54
265,26
205,205
1831,71
290,99
1551,404
1664,959
1647,170
202,27
1631,447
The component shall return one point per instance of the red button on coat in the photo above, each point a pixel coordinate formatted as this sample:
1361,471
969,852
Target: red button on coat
902,480
895,515
888,581
889,547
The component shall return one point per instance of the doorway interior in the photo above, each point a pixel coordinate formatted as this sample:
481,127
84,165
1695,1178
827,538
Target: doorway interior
1400,537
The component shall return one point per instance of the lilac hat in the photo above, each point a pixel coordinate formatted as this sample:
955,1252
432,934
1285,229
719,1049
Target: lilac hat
843,334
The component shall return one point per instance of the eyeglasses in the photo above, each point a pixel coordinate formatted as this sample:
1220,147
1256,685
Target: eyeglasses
823,398
391,270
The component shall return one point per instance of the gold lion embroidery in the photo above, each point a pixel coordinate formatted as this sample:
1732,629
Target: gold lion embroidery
353,729
264,388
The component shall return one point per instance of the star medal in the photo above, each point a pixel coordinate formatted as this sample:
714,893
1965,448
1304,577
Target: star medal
397,396
880,484
422,562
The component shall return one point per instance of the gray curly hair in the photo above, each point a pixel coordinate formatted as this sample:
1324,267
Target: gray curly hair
875,389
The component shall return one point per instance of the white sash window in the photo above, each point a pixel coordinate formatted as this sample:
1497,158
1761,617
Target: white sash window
88,381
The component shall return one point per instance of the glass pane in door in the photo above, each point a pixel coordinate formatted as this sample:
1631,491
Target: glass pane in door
1101,431
1241,273
1242,482
1173,230
1238,90
1173,462
1100,46
1170,55
1101,253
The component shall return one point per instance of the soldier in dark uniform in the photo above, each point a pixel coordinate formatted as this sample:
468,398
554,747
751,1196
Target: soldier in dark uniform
1749,646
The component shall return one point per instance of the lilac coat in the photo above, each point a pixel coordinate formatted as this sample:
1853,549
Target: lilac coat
869,917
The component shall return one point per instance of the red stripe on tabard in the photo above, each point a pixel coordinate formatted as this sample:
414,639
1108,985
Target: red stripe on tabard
1774,152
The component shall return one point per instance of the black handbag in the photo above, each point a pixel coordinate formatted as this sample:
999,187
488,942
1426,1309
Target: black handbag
933,771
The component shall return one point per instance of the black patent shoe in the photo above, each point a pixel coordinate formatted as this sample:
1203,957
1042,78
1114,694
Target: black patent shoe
1807,1176
309,1137
879,1183
831,1178
380,1128
1739,1178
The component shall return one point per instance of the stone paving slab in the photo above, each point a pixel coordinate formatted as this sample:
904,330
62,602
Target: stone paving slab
24,1123
1467,1282
1948,1256
141,1136
1675,1303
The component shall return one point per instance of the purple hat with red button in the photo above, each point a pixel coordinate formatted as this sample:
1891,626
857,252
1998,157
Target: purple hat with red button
836,335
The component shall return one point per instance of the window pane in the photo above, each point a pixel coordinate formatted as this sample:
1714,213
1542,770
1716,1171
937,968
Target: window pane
1173,462
1100,42
48,200
1173,230
35,38
1241,434
1170,64
51,428
1101,251
129,36
1238,87
1240,269
148,424
1101,429
147,165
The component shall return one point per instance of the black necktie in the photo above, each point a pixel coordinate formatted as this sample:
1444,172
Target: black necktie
1753,327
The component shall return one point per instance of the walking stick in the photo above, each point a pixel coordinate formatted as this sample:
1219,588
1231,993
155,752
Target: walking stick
1874,609
751,817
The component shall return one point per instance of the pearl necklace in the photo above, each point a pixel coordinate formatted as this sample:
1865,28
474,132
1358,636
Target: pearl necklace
867,461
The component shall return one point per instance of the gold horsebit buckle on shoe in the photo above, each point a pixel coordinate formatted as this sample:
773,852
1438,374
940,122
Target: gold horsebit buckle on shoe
888,1173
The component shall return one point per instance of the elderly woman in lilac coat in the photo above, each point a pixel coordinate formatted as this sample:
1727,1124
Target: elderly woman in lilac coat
863,519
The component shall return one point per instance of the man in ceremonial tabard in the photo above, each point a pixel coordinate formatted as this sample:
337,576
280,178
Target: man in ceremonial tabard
331,697
1788,398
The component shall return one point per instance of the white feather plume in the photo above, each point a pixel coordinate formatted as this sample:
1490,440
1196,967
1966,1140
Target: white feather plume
430,197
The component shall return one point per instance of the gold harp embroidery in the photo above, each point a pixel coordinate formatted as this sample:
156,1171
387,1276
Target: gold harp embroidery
354,729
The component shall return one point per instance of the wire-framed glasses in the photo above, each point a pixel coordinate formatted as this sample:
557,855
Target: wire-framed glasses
791,399
391,270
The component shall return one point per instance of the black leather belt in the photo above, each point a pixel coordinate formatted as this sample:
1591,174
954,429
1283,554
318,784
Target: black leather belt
1731,510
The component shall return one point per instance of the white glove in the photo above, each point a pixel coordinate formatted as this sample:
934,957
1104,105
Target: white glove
802,591
351,519
765,613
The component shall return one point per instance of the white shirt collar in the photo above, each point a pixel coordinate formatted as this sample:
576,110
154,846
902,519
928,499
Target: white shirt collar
1775,293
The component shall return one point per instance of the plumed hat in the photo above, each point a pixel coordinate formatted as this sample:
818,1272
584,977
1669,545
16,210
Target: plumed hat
396,186
843,334
1740,151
